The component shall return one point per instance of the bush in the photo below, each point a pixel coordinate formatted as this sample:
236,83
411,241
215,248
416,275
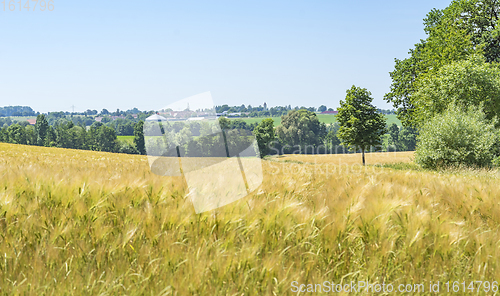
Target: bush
125,147
496,161
457,138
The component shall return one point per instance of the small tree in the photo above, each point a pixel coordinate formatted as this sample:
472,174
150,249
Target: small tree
301,128
264,133
471,82
361,126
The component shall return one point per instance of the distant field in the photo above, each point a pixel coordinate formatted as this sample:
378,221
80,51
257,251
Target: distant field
250,120
20,118
328,119
129,139
349,159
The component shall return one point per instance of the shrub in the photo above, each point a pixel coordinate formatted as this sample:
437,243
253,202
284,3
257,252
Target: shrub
457,138
496,161
125,147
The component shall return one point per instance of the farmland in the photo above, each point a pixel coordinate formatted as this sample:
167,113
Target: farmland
76,222
129,139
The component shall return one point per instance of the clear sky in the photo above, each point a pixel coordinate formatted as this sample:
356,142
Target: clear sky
148,54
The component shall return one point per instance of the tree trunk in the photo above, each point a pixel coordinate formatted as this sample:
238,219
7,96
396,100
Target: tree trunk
363,152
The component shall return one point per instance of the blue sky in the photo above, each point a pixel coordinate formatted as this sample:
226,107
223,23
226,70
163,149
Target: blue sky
148,54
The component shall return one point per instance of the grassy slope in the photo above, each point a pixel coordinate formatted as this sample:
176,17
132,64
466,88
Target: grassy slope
328,119
74,221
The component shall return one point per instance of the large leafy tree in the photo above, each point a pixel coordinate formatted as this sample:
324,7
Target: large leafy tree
465,27
471,82
479,19
361,126
301,128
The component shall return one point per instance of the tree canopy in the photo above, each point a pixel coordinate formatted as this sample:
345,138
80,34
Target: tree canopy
300,129
464,28
471,82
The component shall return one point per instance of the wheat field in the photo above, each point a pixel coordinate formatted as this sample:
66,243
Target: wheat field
77,222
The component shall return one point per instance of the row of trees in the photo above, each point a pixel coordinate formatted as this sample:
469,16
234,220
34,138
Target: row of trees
278,110
16,111
300,132
261,111
121,126
401,138
97,137
28,111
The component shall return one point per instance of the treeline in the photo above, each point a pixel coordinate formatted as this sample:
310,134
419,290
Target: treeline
277,111
65,134
301,132
104,112
199,139
121,126
16,111
260,111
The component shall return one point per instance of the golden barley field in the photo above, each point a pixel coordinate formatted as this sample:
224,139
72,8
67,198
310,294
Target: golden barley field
349,159
88,223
